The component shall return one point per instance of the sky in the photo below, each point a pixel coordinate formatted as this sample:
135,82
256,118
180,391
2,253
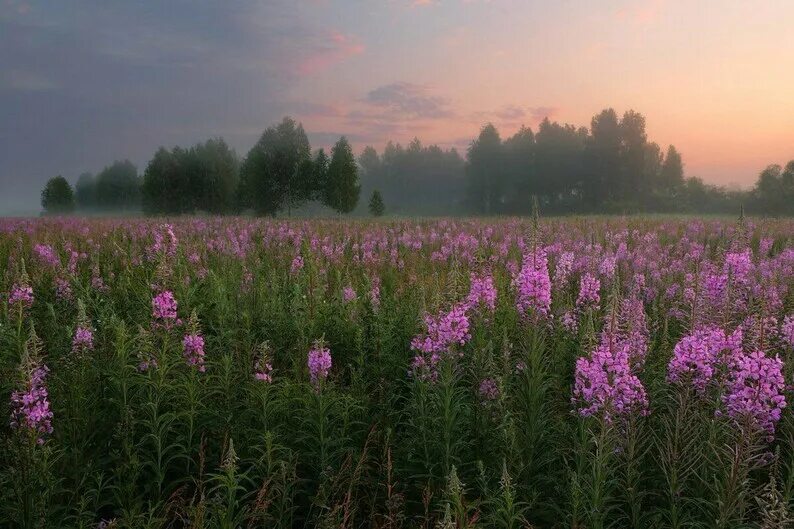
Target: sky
83,83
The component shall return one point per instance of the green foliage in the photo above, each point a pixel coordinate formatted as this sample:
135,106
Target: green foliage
57,196
118,186
342,186
202,178
376,205
270,176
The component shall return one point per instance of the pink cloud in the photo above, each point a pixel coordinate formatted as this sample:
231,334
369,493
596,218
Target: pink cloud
336,48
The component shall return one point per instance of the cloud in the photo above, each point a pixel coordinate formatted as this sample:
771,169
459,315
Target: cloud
409,100
537,114
510,112
335,48
422,3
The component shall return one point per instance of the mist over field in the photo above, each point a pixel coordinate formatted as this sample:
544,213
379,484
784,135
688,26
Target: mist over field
87,83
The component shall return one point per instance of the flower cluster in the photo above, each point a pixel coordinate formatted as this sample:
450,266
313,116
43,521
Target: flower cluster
21,296
589,292
164,307
533,285
697,357
30,407
489,390
481,292
193,350
83,339
297,265
348,294
319,362
755,391
443,331
604,383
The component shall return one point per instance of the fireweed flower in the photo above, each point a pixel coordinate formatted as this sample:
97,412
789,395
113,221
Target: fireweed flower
755,392
63,289
697,357
787,330
604,384
482,292
21,296
83,339
30,407
348,294
443,331
47,255
319,362
562,270
374,293
297,265
533,285
489,390
164,308
589,292
193,350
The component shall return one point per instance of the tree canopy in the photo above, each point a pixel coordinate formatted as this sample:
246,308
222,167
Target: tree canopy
57,196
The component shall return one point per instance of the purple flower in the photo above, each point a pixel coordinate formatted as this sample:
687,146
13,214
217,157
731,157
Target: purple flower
604,384
443,331
348,294
489,390
193,350
533,285
787,330
164,307
47,255
589,292
697,357
481,292
755,391
83,339
30,407
319,362
297,265
21,296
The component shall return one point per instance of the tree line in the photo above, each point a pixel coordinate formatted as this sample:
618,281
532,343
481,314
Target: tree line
610,167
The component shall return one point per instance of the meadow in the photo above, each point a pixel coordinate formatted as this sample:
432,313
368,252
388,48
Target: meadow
232,372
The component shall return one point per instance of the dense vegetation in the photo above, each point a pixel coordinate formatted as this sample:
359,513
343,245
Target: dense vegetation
230,372
609,167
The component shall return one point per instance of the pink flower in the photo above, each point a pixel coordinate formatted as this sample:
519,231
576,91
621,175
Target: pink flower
589,292
755,391
83,339
21,296
164,307
319,362
534,286
193,350
30,407
604,384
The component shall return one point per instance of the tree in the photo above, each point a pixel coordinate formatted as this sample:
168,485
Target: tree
485,171
165,188
602,159
376,206
270,175
57,196
671,176
343,188
117,186
634,188
213,173
85,191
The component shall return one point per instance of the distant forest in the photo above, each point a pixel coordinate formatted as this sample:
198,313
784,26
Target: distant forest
610,167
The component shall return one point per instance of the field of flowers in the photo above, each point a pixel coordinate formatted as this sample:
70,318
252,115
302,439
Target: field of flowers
228,372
